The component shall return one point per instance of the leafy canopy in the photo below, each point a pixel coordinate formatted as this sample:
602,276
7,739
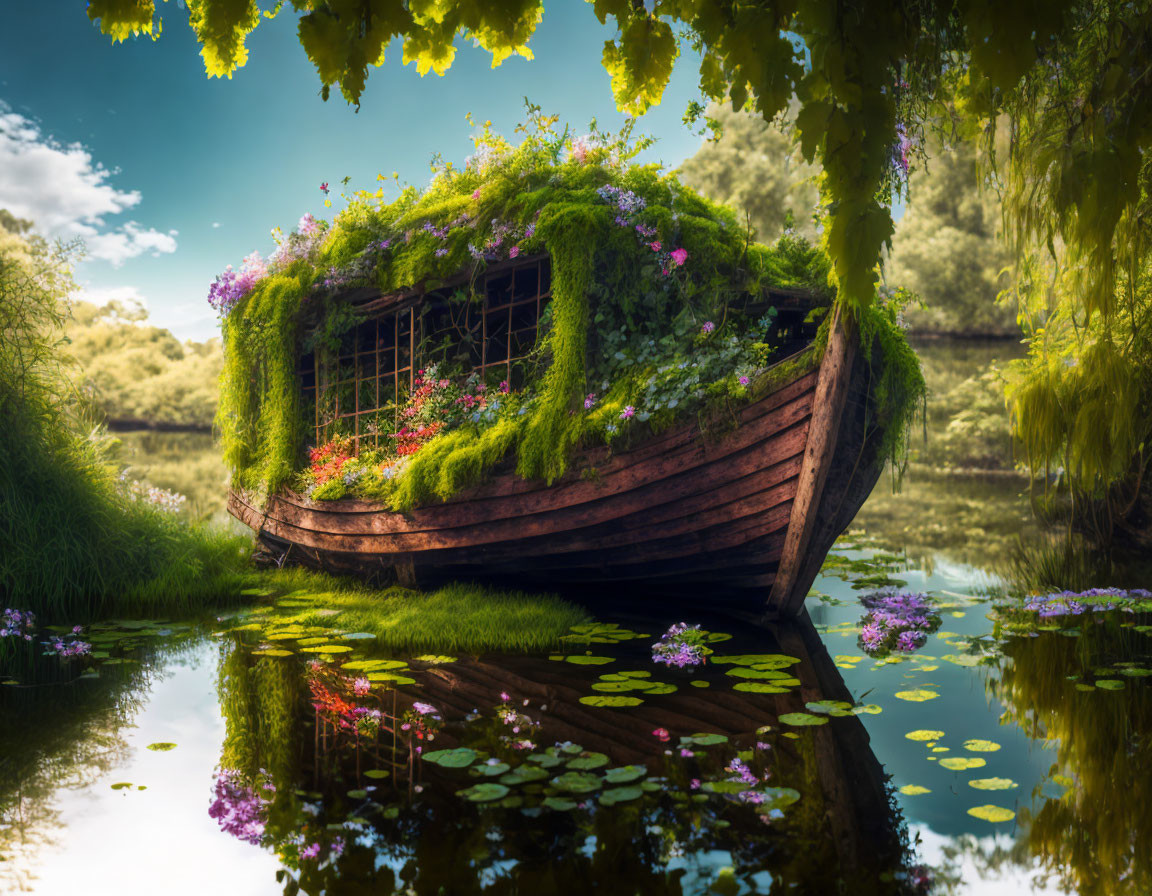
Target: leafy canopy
866,74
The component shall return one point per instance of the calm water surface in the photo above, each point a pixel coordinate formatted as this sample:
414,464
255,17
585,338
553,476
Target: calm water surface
256,755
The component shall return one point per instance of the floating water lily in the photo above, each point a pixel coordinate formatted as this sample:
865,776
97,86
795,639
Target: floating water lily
896,621
681,646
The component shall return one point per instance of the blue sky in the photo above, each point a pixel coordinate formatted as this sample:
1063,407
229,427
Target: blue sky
170,176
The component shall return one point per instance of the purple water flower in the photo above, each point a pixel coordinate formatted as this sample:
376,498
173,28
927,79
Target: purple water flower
898,621
238,808
681,646
17,624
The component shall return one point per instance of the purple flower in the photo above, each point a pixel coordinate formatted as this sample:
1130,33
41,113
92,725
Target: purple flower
426,709
681,646
441,252
514,251
361,686
708,327
238,808
627,413
744,381
311,851
589,401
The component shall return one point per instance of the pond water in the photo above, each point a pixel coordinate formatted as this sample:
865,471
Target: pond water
1002,750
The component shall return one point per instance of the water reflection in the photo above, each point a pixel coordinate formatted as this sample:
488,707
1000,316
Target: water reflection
1084,687
580,798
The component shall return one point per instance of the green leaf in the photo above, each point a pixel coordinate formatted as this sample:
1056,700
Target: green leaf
484,792
459,757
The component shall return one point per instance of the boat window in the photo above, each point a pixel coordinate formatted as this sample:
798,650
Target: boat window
490,326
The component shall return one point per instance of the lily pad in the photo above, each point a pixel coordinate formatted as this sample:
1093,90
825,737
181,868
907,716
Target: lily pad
485,792
373,665
358,636
328,648
122,785
700,683
777,660
924,734
914,790
394,677
920,695
358,794
750,672
545,760
620,795
625,774
491,768
976,745
436,659
272,651
962,763
597,700
1110,684
704,740
161,747
803,718
577,782
460,757
992,813
377,773
760,687
588,761
524,774
993,784
559,804
583,660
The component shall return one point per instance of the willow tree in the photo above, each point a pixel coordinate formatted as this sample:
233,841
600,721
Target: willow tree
867,77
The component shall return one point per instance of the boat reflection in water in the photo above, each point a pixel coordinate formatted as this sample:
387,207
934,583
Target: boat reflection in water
501,775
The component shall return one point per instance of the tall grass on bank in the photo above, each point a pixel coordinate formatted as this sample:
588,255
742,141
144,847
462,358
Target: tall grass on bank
73,543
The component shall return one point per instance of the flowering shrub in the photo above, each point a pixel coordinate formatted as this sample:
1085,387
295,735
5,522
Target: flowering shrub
17,624
519,729
421,723
896,621
681,646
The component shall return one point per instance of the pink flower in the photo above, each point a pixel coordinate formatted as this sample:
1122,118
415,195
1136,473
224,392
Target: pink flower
514,251
661,734
589,401
679,256
504,386
504,696
708,327
324,188
307,224
654,245
627,412
361,686
744,381
476,193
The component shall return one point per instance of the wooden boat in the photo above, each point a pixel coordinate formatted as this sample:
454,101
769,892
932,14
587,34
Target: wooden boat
748,515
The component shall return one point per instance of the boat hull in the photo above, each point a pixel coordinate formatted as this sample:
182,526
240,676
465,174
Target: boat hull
681,512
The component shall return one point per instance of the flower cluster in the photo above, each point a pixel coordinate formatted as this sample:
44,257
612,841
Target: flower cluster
681,646
519,729
421,722
1073,603
231,286
240,809
628,205
17,624
68,645
328,460
160,498
896,621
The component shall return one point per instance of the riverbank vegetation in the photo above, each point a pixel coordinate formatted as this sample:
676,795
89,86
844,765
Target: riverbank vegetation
76,539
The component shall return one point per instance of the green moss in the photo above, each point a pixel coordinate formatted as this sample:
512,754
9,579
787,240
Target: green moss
458,618
613,292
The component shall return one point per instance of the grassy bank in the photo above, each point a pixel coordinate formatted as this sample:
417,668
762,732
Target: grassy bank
458,618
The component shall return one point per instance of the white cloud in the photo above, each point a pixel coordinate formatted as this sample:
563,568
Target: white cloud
102,295
215,224
67,194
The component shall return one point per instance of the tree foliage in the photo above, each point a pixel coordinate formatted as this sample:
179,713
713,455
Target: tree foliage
864,73
756,168
948,248
129,370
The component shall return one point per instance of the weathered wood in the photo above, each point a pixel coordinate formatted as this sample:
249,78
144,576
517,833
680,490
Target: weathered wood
831,391
733,513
